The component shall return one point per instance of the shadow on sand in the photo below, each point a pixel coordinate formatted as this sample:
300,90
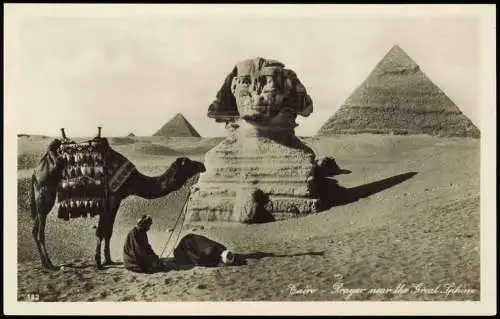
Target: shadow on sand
168,263
241,259
83,265
332,194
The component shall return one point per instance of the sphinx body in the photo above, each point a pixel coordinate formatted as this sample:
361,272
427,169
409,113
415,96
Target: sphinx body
261,171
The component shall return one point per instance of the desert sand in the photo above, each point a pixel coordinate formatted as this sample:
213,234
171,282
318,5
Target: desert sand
417,227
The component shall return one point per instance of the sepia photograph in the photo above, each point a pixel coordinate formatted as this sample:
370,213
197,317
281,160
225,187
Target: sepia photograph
249,159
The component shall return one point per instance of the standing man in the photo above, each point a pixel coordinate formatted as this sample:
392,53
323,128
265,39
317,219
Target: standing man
138,255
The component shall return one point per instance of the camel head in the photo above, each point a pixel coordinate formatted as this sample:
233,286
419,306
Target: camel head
183,169
189,166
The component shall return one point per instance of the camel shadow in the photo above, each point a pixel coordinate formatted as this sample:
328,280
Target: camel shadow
332,194
115,264
167,265
76,265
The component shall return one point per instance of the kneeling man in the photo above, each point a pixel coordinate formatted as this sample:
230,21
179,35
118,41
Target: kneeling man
138,255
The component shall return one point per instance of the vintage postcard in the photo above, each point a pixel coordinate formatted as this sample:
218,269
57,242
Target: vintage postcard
249,159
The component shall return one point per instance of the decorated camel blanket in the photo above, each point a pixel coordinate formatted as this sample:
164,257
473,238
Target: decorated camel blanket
89,173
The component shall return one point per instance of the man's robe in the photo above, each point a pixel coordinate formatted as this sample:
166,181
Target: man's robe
137,252
198,250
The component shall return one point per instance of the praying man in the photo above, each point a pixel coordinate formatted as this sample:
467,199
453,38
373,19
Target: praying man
138,255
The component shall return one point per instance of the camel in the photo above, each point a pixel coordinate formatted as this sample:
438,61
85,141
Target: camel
47,178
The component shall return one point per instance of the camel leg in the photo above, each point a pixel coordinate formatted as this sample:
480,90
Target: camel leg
35,231
35,216
107,250
107,235
98,253
99,243
41,239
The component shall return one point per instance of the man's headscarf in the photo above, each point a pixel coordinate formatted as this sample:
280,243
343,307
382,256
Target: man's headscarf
227,257
145,220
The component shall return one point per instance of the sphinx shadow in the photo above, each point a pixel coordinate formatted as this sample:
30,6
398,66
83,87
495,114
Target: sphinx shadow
332,194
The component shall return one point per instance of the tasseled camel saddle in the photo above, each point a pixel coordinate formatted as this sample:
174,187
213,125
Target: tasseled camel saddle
85,184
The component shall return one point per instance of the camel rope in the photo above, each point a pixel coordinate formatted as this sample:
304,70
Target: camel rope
180,230
175,226
182,213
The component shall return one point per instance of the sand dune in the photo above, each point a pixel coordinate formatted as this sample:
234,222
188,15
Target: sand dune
154,149
122,140
31,148
423,228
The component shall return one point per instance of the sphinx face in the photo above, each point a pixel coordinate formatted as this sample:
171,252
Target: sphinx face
261,93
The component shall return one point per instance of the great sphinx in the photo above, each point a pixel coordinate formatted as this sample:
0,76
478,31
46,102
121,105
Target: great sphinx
262,171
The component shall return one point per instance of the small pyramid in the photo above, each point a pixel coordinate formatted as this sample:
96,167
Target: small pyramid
178,126
131,134
398,98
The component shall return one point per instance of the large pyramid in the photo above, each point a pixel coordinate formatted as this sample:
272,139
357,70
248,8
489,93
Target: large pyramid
178,126
398,98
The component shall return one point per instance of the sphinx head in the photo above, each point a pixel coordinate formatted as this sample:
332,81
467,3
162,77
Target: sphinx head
259,91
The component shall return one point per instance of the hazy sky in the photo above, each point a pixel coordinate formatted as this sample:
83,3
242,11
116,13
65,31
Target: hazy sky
132,74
